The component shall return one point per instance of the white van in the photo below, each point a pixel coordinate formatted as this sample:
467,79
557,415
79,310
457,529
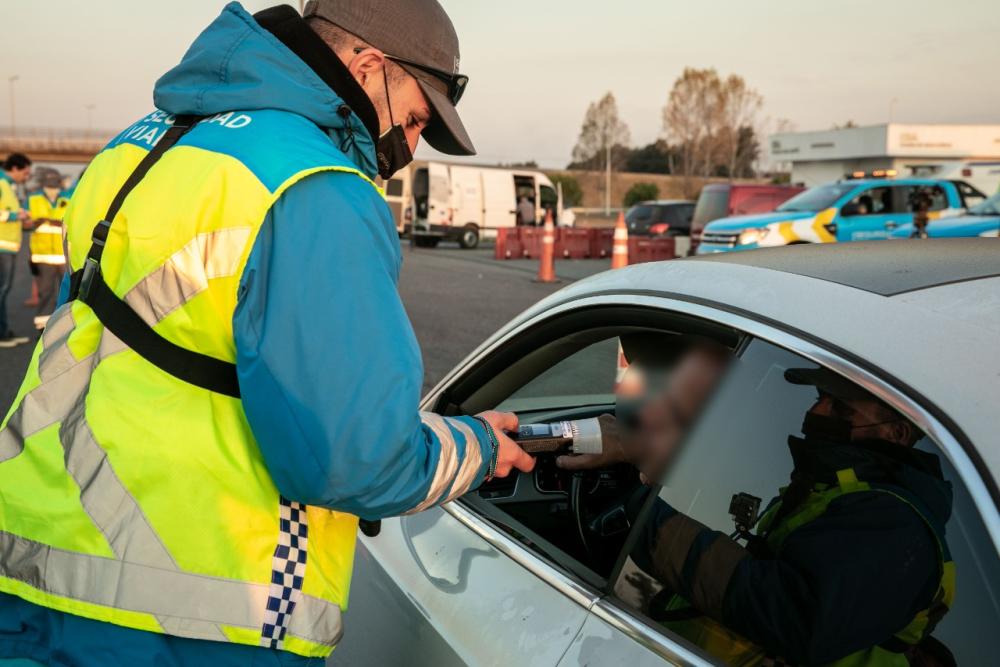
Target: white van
464,203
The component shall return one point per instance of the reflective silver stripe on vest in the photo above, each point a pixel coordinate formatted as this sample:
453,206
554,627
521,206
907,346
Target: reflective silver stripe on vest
187,272
61,398
167,594
11,438
54,360
143,577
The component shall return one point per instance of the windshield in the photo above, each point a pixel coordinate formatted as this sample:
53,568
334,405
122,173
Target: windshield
712,205
641,214
989,207
816,199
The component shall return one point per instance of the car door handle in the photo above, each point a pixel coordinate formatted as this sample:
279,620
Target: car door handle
891,224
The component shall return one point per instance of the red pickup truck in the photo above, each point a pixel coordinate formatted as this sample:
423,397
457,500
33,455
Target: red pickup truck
721,200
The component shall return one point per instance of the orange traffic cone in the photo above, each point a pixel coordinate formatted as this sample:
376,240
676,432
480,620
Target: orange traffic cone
547,267
619,252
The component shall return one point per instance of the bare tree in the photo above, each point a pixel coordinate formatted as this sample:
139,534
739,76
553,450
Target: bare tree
739,111
691,121
601,132
712,121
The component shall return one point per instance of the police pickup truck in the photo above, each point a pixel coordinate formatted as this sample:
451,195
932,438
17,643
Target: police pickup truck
981,220
863,207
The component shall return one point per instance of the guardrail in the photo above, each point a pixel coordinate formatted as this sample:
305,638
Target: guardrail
70,143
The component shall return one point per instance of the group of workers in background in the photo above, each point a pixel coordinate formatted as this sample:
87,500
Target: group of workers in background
41,212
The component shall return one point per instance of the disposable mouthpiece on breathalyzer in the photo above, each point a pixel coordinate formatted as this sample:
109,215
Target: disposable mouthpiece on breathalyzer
586,436
580,436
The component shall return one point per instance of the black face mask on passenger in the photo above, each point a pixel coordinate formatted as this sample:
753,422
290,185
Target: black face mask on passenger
835,429
393,150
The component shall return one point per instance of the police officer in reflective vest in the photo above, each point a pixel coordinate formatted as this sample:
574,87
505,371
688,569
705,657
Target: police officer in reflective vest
848,565
47,208
234,381
16,170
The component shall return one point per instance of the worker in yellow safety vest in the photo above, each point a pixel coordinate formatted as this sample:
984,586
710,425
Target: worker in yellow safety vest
47,208
233,382
16,170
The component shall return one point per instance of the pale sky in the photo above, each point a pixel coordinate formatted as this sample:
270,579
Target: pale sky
536,65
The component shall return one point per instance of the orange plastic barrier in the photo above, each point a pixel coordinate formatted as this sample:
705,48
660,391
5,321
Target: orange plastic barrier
642,250
573,243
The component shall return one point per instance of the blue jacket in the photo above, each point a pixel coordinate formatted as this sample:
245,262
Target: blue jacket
328,363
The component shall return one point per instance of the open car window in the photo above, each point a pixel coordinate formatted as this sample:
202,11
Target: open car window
567,368
775,602
584,378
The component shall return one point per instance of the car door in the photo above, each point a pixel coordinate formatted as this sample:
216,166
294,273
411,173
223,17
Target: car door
740,445
872,214
500,576
463,584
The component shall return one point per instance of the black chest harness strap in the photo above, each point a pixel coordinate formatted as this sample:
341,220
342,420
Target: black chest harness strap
88,285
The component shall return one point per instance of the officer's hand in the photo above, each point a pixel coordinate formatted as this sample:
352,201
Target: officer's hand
509,453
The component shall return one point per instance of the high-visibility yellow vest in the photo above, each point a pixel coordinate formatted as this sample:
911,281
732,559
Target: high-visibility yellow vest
10,227
733,649
130,496
46,239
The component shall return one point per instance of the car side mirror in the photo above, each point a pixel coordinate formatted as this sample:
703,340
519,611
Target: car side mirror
849,209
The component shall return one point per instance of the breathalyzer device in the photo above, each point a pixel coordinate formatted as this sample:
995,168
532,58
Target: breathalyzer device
579,436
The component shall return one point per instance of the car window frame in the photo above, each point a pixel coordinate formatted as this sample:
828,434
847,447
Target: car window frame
946,435
857,194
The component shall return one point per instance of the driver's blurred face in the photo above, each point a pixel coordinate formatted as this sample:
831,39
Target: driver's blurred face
665,420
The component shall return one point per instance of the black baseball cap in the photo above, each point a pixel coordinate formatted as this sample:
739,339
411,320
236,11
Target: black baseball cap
828,382
419,37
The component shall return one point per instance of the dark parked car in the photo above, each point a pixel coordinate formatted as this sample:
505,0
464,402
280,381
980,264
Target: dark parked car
671,217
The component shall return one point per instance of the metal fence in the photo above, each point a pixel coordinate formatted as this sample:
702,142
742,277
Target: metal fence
53,141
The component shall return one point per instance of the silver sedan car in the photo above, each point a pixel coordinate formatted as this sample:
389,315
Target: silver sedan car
537,569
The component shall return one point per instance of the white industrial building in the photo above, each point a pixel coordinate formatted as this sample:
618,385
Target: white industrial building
821,157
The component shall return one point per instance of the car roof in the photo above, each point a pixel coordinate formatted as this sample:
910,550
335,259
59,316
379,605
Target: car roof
923,314
663,202
896,181
883,268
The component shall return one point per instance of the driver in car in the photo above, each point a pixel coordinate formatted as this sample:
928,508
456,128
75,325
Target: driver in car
847,565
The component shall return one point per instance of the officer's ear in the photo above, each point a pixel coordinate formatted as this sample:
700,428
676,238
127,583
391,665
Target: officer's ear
904,433
365,64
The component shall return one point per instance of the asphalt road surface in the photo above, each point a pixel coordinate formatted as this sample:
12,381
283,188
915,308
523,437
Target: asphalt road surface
455,299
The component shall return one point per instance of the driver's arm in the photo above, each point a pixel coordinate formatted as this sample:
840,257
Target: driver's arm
844,582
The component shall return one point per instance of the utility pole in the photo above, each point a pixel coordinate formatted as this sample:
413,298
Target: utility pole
13,119
607,181
90,118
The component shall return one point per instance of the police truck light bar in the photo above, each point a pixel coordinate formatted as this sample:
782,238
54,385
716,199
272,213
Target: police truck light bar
875,173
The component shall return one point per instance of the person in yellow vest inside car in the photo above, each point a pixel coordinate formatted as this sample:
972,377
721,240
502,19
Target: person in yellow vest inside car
16,170
848,565
47,208
233,382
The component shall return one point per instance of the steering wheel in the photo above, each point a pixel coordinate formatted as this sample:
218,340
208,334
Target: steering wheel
597,528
